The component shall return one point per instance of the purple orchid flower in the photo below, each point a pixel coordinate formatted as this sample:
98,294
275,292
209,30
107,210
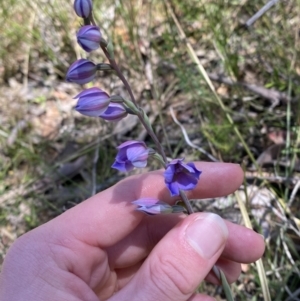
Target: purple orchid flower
153,206
131,154
92,102
83,8
89,37
180,176
81,72
114,112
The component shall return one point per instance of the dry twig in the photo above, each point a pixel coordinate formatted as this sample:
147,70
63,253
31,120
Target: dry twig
261,12
187,139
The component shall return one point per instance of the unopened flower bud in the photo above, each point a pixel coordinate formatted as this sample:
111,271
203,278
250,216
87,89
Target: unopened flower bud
81,72
92,102
114,112
83,8
153,206
88,37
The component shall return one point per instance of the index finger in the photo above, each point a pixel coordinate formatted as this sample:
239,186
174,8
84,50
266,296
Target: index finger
109,216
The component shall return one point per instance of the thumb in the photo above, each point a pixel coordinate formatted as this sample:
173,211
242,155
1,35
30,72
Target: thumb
180,261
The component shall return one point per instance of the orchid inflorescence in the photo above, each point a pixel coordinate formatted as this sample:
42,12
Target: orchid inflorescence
94,102
178,176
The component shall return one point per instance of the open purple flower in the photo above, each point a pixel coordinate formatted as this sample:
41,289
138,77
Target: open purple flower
131,154
88,37
81,72
153,206
92,102
83,8
114,112
181,176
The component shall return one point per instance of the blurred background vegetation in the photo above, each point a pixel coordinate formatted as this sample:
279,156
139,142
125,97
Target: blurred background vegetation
214,88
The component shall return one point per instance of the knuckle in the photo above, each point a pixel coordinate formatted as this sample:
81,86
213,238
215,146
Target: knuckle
170,276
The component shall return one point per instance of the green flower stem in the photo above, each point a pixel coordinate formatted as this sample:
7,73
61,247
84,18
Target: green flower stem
87,21
91,19
159,158
186,202
104,67
115,66
140,114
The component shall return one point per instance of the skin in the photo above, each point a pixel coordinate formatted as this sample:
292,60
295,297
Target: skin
104,249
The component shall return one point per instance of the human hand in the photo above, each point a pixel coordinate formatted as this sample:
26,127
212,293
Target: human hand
104,249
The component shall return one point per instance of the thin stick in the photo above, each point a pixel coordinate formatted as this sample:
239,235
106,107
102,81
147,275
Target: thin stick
261,12
293,194
187,139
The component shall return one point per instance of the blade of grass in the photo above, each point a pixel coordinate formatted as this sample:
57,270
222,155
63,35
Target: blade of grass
259,263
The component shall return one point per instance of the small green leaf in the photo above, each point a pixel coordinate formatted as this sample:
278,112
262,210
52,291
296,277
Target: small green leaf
226,287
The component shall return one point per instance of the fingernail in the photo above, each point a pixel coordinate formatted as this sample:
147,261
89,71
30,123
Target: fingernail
207,234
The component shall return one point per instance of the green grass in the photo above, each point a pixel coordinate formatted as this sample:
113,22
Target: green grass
35,55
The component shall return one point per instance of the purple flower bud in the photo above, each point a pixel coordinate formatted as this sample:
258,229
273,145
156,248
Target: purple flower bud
153,206
92,102
181,176
131,154
81,72
114,112
83,8
88,37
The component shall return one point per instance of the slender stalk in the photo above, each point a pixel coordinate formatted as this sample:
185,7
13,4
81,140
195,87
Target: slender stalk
186,202
128,88
120,74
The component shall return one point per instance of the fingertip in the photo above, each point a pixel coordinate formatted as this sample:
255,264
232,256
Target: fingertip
217,179
243,245
260,246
